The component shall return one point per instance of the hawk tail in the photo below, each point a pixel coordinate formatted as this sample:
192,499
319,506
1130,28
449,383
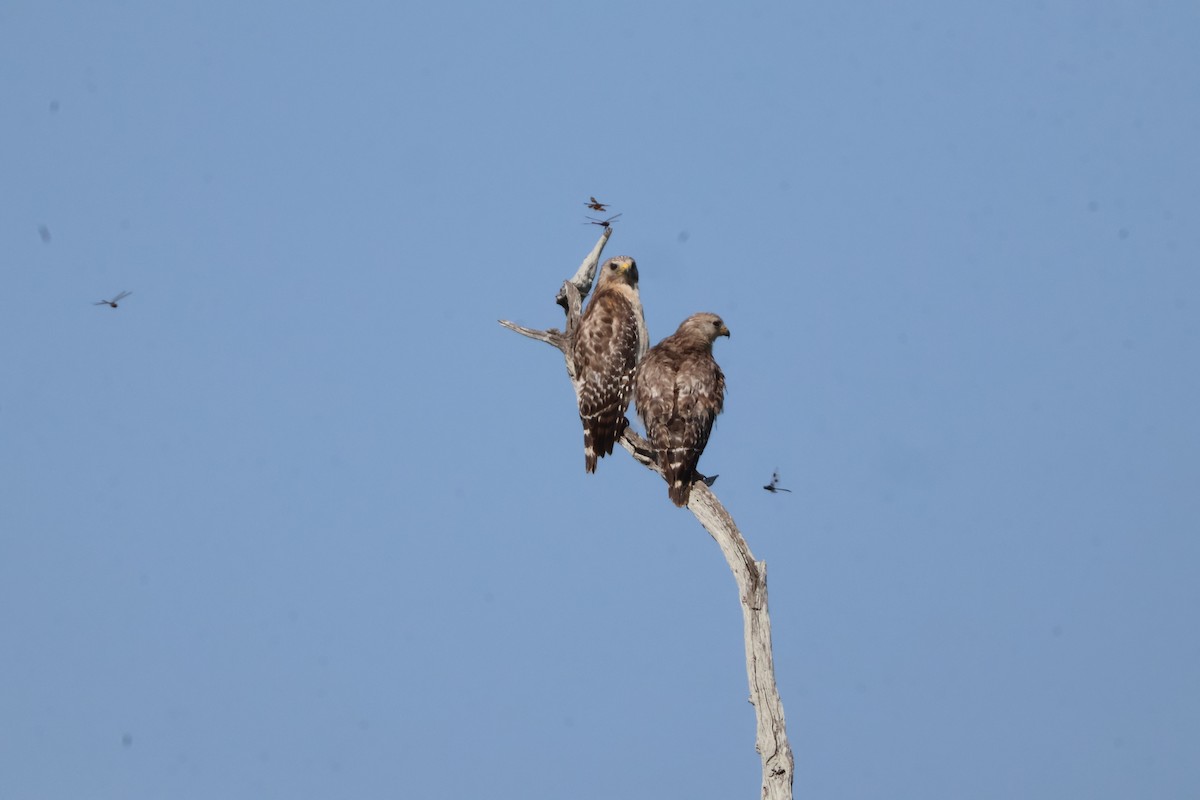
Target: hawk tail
600,434
679,470
589,451
679,492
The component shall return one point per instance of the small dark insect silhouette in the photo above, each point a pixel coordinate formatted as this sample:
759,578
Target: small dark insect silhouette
774,486
596,205
602,222
114,301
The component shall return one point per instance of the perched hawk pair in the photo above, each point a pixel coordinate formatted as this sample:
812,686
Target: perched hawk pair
678,386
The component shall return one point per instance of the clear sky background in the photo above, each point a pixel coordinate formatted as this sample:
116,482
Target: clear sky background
299,519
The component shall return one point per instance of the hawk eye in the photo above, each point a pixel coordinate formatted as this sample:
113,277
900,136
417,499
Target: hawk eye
612,265
716,323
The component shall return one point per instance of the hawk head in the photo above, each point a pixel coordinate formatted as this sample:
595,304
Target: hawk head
704,327
620,269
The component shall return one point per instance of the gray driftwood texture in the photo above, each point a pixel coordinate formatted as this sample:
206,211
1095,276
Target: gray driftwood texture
751,575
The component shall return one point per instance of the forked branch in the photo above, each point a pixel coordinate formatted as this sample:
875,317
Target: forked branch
751,575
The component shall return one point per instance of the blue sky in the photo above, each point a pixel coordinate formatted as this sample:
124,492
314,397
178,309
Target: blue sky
299,519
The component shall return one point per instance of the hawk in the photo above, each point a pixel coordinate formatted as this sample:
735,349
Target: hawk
679,392
609,342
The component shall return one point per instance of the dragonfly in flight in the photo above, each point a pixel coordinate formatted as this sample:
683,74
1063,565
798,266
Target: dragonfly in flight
114,301
774,486
604,223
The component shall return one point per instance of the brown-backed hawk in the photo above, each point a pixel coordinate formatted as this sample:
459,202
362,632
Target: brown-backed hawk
610,340
679,391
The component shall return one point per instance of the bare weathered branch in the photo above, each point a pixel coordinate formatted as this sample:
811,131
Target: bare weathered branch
551,336
570,297
640,449
771,740
583,277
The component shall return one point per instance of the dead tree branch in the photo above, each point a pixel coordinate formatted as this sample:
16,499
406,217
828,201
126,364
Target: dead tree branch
771,740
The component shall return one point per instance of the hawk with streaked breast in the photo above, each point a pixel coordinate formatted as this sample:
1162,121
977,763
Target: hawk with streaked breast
680,390
609,342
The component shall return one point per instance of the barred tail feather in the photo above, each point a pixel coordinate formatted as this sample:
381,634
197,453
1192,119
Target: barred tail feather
680,471
679,492
589,451
600,435
678,462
